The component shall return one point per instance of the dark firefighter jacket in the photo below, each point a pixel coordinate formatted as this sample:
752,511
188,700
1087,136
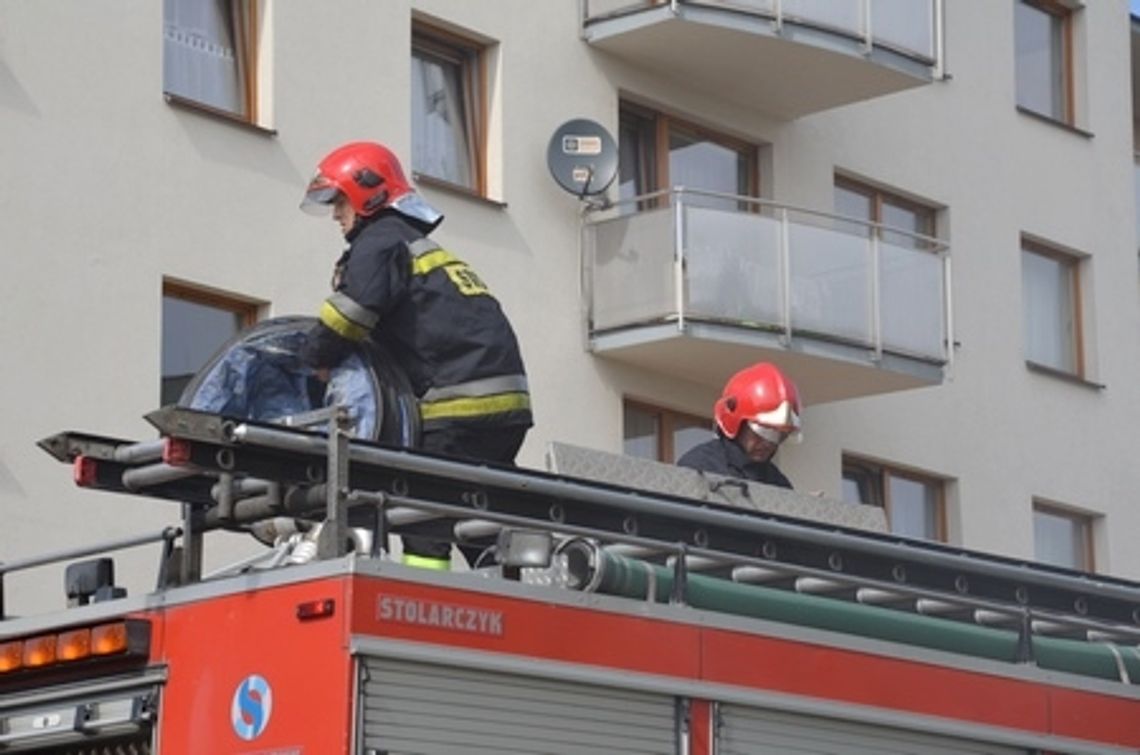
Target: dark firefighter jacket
723,456
436,318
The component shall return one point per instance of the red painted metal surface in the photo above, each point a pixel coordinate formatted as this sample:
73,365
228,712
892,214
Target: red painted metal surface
214,646
296,674
626,642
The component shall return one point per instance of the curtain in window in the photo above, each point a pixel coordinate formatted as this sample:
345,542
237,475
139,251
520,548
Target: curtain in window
206,57
913,509
1040,63
1059,540
440,129
697,163
642,433
637,157
1047,311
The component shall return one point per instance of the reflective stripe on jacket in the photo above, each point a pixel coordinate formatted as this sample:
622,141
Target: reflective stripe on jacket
434,315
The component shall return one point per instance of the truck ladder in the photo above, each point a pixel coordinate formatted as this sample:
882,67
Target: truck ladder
229,473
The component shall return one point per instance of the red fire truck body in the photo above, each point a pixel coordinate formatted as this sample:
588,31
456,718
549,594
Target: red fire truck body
359,654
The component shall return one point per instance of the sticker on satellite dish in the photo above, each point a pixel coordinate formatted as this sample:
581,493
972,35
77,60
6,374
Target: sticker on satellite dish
582,157
582,145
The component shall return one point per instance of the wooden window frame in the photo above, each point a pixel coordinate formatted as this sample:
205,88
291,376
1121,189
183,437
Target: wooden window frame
248,308
884,472
667,423
1073,264
665,124
251,75
1085,522
879,197
470,56
1064,13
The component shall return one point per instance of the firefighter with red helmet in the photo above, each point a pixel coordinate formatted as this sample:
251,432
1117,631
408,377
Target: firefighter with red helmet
758,409
427,307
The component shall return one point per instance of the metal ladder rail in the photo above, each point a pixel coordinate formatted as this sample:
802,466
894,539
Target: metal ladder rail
217,446
403,509
549,501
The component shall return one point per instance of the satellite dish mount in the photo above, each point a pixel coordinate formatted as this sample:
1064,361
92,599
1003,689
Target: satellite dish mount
583,158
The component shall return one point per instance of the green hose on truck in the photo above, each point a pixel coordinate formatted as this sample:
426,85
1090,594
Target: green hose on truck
593,569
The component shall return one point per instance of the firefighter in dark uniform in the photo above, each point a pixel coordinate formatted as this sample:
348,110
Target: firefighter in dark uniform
427,307
758,409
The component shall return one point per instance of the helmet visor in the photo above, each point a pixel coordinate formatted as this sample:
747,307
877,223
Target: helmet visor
320,196
770,434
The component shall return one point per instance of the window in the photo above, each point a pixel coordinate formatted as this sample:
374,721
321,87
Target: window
210,53
1043,32
914,503
1062,537
195,324
863,202
652,432
1050,281
657,152
448,114
1136,193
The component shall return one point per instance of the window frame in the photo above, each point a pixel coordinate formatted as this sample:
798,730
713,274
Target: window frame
663,125
248,309
251,115
1073,265
1065,15
1085,522
471,57
881,474
879,197
668,420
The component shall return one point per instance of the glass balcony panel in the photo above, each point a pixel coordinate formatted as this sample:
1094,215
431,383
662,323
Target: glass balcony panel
830,282
763,7
842,15
732,263
752,276
860,49
905,25
606,7
633,275
911,309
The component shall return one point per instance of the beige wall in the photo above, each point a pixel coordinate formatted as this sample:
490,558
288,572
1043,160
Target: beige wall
107,188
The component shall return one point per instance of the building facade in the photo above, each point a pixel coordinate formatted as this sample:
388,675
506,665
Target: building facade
924,211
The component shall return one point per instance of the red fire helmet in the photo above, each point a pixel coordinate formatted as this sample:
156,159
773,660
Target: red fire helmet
762,396
370,177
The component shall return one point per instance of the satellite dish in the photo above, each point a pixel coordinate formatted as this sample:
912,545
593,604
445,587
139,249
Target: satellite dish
582,157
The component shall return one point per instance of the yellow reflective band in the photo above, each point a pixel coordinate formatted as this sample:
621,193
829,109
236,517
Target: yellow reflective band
425,263
338,323
426,562
475,406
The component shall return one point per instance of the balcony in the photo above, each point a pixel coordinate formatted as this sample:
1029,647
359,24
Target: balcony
788,58
697,285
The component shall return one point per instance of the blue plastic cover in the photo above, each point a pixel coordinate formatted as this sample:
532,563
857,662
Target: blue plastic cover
258,376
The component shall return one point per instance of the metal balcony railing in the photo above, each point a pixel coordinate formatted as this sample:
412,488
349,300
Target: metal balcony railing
686,256
910,28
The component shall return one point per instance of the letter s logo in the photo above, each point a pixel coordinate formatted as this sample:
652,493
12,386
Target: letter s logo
251,707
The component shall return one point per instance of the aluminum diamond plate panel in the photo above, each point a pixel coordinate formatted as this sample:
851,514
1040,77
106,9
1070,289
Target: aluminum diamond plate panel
644,474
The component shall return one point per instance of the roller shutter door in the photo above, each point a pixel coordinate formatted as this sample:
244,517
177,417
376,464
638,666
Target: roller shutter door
751,731
431,709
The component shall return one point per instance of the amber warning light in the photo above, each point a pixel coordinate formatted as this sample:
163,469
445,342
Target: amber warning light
129,639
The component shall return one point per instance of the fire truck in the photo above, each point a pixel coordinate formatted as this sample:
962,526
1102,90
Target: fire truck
602,615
